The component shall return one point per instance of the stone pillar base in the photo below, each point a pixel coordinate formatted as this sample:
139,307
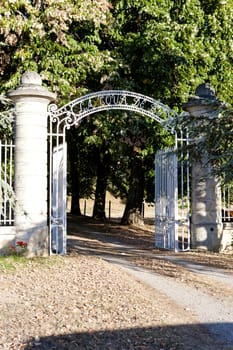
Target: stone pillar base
206,237
36,238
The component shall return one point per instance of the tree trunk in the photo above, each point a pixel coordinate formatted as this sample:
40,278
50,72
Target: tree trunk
133,209
75,205
101,186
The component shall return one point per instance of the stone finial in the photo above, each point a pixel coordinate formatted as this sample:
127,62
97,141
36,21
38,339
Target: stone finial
204,102
205,91
30,78
31,86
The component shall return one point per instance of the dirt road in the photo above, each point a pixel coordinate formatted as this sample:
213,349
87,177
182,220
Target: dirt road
114,291
200,283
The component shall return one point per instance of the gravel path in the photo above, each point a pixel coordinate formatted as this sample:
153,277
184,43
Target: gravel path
84,302
216,315
212,305
214,312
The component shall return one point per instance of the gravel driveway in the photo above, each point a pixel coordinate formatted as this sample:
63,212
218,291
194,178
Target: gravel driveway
203,290
108,293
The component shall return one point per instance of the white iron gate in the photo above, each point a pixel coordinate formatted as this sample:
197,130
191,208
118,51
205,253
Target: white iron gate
72,114
166,197
172,213
58,200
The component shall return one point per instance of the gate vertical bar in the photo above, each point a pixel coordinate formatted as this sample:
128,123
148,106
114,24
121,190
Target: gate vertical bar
58,217
175,200
57,186
6,175
183,191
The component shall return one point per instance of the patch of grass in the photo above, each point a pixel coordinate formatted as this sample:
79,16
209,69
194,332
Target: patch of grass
12,262
47,261
9,263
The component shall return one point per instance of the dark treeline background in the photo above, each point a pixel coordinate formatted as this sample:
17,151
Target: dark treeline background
160,48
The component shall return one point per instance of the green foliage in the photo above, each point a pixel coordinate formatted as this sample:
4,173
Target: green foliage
59,39
119,137
8,263
211,135
6,118
170,47
6,134
161,48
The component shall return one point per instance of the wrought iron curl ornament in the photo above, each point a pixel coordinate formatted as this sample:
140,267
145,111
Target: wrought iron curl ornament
72,113
69,120
53,117
52,108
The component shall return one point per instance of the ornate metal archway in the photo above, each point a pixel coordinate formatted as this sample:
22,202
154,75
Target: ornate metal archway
71,114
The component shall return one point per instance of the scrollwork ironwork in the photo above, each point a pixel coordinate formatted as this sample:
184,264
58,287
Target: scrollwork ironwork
72,113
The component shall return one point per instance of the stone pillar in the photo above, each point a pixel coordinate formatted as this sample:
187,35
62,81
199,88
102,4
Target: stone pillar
31,171
206,224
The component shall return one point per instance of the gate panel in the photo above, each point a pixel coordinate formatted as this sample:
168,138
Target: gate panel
172,208
58,225
166,200
7,196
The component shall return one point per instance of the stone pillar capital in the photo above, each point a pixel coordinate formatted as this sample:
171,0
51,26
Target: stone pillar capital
31,86
203,102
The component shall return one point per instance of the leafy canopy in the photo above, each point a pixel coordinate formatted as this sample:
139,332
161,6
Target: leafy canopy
57,38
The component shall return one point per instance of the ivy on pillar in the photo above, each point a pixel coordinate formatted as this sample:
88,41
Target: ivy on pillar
31,215
206,224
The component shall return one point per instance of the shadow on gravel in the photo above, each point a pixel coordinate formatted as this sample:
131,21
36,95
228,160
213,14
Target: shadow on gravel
101,248
90,237
84,226
182,337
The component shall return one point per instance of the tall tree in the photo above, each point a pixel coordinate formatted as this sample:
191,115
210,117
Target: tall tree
142,139
60,40
162,48
170,47
81,166
57,38
103,139
102,174
166,48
